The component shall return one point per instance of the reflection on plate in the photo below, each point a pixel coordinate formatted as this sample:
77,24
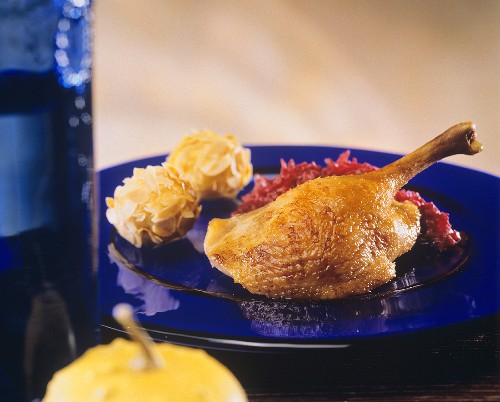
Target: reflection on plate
180,295
155,299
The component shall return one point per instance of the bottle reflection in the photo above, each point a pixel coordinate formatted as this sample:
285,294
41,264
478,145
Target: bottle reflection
155,298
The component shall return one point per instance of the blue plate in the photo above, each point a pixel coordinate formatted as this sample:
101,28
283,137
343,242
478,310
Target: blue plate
180,298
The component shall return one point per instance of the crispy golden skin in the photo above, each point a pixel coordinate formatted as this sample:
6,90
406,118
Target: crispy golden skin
309,244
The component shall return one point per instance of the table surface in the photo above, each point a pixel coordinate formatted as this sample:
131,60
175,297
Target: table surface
457,364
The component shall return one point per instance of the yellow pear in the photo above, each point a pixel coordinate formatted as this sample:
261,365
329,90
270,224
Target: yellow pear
142,370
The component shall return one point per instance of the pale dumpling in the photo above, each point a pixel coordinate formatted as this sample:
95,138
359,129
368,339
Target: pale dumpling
216,165
154,206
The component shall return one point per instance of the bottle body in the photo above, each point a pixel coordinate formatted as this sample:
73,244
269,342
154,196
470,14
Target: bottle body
47,229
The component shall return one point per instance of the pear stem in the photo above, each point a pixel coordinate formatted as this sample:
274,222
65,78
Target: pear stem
123,313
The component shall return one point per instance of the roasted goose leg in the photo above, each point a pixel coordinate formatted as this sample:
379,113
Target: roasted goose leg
330,237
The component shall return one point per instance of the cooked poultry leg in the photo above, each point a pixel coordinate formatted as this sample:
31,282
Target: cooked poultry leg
330,237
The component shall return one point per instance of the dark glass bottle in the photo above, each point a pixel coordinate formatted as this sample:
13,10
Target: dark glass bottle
47,230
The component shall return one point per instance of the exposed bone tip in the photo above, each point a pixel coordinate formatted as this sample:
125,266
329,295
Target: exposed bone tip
470,132
462,138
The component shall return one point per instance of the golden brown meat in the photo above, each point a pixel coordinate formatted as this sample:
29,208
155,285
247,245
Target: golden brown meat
330,237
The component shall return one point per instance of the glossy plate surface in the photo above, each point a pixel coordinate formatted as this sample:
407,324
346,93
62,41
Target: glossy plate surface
178,296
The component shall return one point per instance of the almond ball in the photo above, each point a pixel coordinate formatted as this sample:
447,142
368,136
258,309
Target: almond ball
154,206
217,165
